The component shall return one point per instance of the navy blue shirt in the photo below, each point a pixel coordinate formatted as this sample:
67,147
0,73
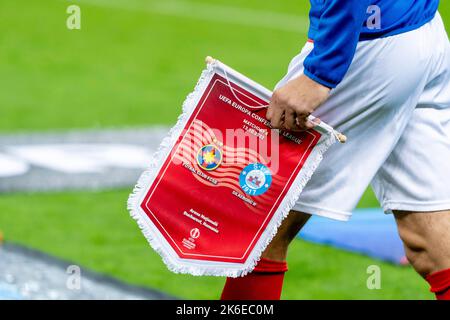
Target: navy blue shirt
336,26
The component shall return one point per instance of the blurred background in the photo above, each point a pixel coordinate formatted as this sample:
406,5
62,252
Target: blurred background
81,112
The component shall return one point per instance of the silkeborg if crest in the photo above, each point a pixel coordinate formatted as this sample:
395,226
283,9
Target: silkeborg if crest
255,179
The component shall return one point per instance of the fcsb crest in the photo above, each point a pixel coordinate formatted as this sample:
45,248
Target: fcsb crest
209,157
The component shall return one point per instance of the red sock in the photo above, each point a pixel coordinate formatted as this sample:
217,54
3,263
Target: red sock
440,284
264,283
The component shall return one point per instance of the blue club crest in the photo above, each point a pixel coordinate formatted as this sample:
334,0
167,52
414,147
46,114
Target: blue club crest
255,179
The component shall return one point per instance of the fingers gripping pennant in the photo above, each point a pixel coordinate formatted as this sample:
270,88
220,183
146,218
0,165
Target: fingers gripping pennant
223,180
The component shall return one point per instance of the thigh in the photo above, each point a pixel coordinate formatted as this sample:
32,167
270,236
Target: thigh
431,225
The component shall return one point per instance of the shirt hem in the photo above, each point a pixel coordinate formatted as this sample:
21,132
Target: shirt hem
318,79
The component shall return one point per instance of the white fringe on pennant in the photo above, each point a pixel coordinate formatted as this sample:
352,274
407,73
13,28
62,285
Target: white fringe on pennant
211,268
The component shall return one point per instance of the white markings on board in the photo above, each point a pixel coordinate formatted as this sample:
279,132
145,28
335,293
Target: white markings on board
72,158
12,166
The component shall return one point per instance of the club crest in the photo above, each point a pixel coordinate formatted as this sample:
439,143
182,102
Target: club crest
255,179
209,157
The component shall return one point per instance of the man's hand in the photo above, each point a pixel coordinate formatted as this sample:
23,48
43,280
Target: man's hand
293,103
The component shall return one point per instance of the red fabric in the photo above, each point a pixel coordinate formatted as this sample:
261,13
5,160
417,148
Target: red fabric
264,283
198,195
440,284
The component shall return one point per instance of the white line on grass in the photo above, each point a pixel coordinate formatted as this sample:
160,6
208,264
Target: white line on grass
210,13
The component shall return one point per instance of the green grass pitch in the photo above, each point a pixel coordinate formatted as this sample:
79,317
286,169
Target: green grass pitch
132,64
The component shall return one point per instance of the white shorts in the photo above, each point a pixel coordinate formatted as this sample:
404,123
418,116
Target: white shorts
394,107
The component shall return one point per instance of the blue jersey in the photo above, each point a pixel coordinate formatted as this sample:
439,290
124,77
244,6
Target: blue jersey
336,26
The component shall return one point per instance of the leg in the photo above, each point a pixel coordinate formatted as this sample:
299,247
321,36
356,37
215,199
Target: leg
291,226
374,118
413,181
266,280
345,172
426,237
